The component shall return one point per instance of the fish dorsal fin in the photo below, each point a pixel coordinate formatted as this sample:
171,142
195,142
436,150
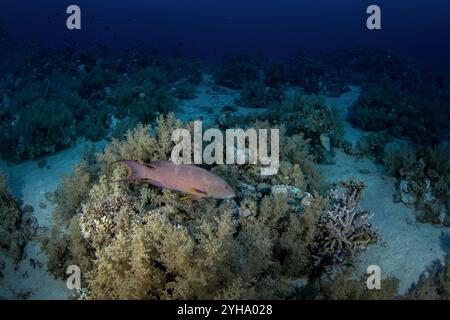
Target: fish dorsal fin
198,191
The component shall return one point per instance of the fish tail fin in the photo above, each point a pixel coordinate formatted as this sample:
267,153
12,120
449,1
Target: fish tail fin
136,171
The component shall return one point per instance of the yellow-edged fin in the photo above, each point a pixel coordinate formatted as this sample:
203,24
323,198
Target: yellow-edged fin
185,197
194,195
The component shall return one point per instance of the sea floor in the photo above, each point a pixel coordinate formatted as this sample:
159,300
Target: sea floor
405,249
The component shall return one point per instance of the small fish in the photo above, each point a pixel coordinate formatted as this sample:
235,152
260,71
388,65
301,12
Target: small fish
195,181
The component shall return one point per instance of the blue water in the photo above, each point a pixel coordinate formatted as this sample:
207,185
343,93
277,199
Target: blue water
214,29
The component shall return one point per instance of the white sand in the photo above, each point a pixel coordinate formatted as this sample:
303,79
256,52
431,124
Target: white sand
404,252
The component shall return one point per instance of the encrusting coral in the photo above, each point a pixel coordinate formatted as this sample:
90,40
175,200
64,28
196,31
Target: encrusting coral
134,241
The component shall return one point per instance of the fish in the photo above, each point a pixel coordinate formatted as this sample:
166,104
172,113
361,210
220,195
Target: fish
196,182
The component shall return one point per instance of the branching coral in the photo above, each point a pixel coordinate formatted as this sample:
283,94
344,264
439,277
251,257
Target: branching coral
344,230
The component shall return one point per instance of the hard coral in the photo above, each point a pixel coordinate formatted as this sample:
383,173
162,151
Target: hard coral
344,230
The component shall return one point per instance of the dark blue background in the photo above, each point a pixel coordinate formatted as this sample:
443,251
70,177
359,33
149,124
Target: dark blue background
217,28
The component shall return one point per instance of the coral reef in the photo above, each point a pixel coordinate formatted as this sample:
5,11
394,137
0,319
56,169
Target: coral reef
72,94
17,225
136,241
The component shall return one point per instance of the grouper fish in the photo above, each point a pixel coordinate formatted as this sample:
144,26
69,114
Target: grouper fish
194,181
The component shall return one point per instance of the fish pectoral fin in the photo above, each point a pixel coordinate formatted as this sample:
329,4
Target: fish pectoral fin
198,191
191,197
